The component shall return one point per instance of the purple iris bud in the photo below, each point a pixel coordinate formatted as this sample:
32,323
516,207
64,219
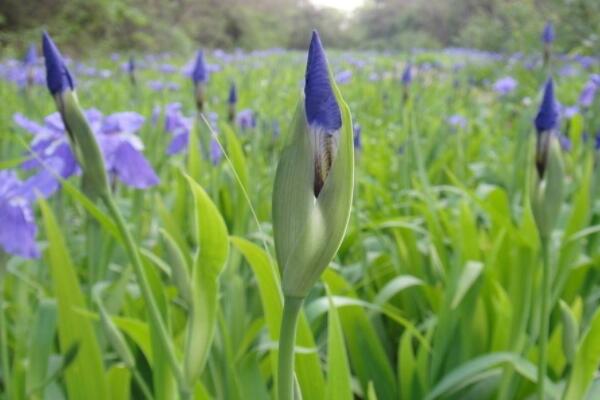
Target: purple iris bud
547,117
586,98
505,85
199,74
548,33
322,109
58,77
343,77
322,112
597,141
407,75
131,65
232,98
357,136
31,55
215,152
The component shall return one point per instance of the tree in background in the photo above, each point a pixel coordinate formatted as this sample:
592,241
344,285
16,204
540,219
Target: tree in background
183,25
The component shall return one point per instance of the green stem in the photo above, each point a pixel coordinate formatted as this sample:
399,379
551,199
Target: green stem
4,339
142,384
153,311
544,318
287,340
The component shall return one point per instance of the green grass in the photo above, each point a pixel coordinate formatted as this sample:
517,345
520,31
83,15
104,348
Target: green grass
434,293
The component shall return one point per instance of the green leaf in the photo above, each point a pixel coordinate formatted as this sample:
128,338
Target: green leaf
467,278
40,346
194,159
586,362
474,370
85,378
212,254
570,332
338,372
406,365
137,331
308,365
367,356
179,268
395,286
236,154
119,382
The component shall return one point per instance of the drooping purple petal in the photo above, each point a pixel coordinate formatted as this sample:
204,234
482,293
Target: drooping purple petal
178,143
132,168
122,122
27,124
17,228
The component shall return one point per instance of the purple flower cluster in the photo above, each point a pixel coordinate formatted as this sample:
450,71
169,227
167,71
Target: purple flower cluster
117,138
246,119
505,86
13,71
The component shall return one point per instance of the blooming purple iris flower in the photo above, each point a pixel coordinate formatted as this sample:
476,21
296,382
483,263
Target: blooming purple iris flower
343,77
505,86
17,224
178,126
160,86
215,152
586,98
570,112
116,135
457,121
246,119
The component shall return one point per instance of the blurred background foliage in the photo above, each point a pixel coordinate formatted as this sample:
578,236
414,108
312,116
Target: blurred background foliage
89,26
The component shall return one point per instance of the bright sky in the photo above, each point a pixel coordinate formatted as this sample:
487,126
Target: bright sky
344,5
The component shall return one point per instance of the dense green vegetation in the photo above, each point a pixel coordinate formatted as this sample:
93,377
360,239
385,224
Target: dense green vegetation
182,25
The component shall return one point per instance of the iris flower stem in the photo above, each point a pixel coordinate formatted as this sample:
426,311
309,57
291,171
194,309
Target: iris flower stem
287,340
544,318
142,384
153,311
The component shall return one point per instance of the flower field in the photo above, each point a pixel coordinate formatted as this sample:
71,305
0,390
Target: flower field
287,224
